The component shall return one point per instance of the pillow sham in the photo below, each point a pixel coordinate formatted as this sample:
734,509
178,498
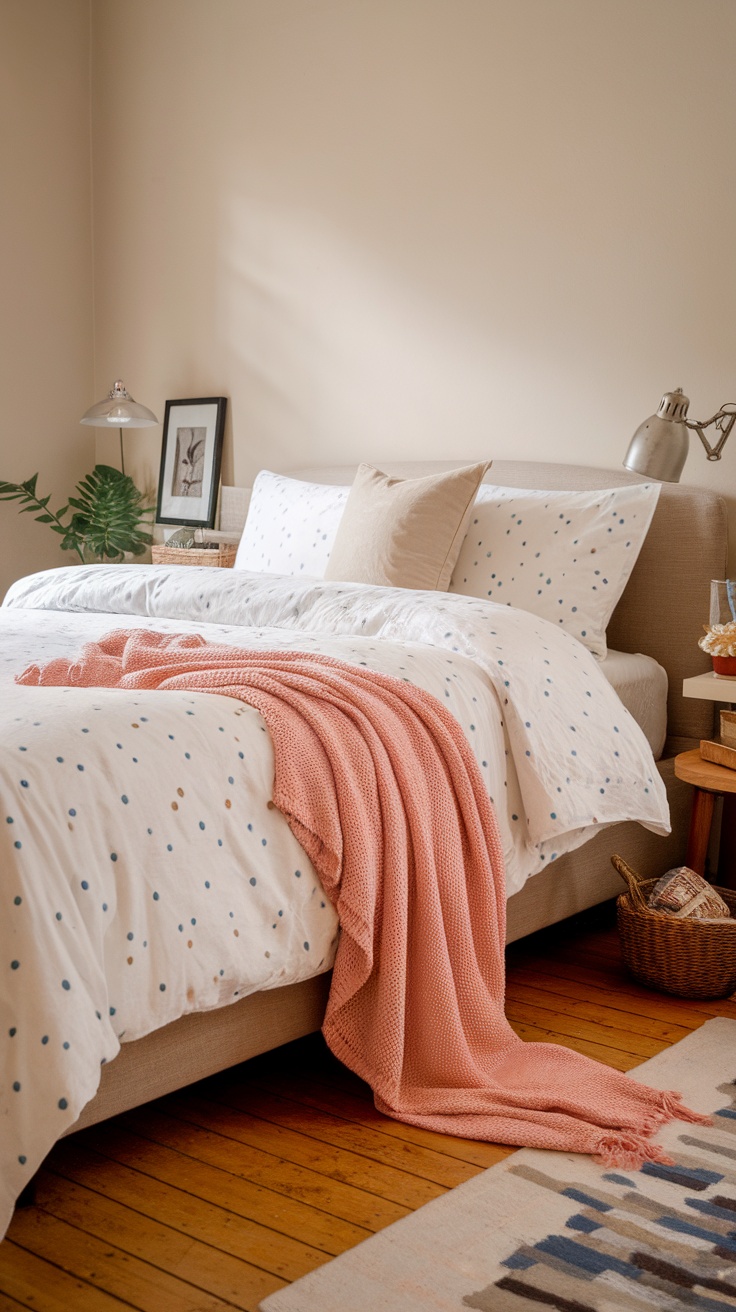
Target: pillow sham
565,556
290,527
404,533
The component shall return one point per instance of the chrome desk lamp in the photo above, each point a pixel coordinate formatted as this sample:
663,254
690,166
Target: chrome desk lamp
660,445
121,411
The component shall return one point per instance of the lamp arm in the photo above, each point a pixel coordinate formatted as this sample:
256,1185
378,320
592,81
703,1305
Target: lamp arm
724,420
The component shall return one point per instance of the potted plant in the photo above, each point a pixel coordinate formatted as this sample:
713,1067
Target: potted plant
106,520
720,643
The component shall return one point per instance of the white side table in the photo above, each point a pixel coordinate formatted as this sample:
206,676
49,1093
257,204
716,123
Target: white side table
710,687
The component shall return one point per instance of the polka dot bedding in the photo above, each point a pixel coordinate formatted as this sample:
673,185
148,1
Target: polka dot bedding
565,556
145,874
291,526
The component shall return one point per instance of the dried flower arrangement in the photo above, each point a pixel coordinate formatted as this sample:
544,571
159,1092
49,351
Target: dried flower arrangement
720,639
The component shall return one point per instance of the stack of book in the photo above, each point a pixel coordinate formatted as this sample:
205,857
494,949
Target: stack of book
722,750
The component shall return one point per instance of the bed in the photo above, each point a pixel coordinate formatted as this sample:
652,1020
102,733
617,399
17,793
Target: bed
658,617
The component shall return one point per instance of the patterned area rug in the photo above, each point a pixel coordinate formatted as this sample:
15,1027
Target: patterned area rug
553,1230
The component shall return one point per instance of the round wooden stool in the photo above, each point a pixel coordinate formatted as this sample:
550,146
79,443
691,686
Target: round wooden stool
709,781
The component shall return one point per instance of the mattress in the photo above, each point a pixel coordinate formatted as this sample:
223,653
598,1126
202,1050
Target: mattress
642,686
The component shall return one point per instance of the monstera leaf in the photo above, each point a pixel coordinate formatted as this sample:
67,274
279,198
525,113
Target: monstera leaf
109,515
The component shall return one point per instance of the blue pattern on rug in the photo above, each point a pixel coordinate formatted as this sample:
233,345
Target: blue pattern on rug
678,1254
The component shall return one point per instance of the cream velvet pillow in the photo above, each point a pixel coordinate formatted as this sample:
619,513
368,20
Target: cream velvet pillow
404,533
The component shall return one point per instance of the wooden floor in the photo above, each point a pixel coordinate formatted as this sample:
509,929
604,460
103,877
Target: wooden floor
216,1196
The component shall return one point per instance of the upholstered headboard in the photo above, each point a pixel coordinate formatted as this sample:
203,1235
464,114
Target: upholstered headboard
666,600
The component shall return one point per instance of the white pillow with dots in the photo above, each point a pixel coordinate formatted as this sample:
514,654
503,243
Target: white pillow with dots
565,556
291,526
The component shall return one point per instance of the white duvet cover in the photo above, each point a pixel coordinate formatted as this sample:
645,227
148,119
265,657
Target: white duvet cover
145,872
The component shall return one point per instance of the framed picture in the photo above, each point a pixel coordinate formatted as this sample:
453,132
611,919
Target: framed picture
191,454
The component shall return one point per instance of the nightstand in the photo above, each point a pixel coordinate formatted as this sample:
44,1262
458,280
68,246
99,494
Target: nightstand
710,687
709,781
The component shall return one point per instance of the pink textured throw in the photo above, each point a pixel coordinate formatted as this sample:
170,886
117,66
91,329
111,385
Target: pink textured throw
382,790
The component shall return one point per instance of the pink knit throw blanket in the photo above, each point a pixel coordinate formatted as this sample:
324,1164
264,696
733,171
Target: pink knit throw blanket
381,789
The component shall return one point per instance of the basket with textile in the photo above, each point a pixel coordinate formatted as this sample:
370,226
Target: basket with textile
691,956
222,554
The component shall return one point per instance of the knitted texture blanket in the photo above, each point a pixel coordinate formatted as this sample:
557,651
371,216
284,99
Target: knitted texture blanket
381,789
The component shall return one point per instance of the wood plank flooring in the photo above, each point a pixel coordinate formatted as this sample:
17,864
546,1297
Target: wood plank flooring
214,1197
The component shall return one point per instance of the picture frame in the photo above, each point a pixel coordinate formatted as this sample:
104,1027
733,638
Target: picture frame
191,456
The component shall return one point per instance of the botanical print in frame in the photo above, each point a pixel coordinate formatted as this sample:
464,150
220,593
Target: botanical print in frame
191,454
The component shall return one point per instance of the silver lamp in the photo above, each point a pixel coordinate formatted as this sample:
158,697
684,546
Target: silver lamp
660,445
121,411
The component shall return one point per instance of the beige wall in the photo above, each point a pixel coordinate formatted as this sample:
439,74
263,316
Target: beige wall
417,227
408,228
46,374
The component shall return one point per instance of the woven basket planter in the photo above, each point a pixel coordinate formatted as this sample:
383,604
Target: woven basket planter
690,958
222,555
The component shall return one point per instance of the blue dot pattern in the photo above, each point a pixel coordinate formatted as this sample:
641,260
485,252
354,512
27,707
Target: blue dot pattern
192,891
291,526
565,556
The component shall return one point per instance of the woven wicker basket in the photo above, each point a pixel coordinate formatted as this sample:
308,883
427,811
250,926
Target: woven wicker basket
691,958
222,555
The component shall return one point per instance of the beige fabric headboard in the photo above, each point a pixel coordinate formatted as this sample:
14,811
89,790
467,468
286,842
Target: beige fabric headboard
666,600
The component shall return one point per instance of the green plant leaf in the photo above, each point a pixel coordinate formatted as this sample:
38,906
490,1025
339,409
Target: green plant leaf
109,516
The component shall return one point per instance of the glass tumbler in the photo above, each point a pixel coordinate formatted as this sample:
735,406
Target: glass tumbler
722,601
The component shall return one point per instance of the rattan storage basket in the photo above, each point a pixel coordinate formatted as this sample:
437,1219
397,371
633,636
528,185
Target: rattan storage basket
222,555
691,958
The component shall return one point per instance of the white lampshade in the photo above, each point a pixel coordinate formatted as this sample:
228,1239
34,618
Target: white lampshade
119,409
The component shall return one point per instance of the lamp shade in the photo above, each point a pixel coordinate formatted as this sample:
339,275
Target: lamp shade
119,409
660,445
